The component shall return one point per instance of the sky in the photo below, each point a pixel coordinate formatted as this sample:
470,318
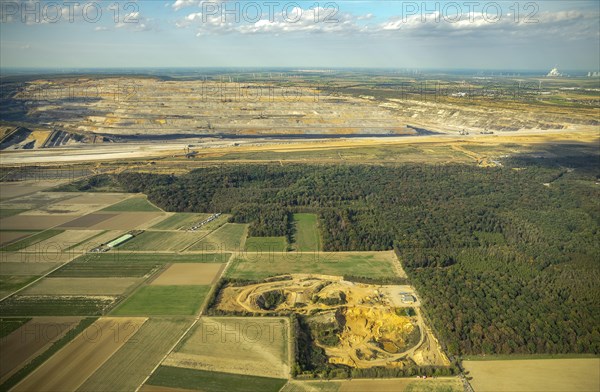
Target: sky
509,35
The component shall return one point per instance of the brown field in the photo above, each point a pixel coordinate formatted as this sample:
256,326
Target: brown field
129,366
403,384
189,274
130,220
241,345
81,286
529,375
98,198
11,236
31,338
63,241
87,221
33,222
71,366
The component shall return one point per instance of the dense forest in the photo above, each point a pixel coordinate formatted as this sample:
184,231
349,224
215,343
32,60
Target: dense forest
506,259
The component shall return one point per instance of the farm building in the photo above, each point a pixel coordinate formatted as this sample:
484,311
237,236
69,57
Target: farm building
118,241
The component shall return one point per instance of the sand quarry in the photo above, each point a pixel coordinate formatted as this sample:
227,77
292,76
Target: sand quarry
375,325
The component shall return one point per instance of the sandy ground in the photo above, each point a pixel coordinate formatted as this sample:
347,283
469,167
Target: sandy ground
81,286
71,366
189,274
31,338
535,375
150,150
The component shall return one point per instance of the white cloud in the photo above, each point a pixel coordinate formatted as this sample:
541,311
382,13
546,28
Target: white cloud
180,4
572,24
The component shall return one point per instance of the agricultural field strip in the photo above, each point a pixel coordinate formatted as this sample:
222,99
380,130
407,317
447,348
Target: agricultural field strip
63,241
199,239
68,375
551,375
25,346
188,329
266,356
63,264
127,366
39,278
136,286
112,286
62,224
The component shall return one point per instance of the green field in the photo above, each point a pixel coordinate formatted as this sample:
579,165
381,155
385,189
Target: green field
229,237
266,244
307,237
31,240
161,240
8,325
163,301
55,305
133,204
259,266
180,220
173,377
125,264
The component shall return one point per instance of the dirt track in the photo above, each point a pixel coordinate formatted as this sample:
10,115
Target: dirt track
78,360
